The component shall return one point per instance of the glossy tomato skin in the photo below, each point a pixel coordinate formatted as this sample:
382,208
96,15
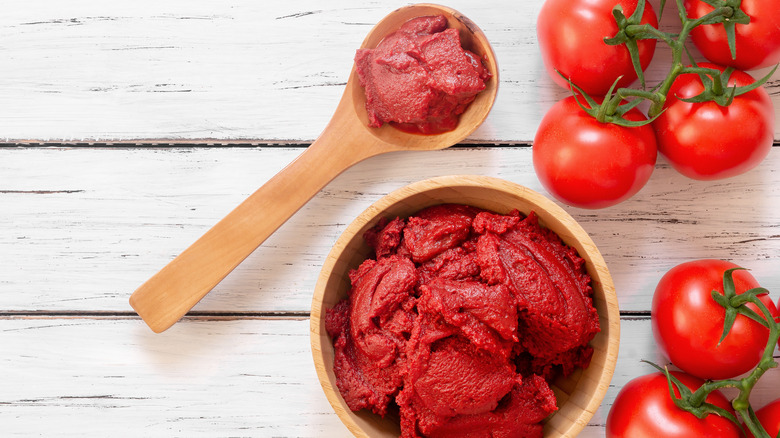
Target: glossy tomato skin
687,323
588,164
706,141
769,417
571,38
644,409
757,43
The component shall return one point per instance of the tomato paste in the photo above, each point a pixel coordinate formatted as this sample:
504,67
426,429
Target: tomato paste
419,77
459,322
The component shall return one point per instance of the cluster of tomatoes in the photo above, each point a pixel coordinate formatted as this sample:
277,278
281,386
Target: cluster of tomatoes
585,159
587,163
688,326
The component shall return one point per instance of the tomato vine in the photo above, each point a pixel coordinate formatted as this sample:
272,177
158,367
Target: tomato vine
692,130
695,401
631,31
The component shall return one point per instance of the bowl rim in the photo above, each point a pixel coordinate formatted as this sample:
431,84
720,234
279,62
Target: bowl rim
549,213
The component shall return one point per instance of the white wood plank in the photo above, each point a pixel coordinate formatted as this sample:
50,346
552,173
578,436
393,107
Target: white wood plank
82,377
234,70
75,377
82,228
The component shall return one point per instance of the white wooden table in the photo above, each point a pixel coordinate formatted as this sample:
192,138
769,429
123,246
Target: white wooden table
129,128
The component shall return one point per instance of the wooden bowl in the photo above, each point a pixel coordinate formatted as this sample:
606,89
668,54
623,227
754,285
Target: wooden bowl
579,395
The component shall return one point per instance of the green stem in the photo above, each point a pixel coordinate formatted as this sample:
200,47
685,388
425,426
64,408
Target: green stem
646,30
700,395
631,33
752,423
678,48
662,92
714,74
723,11
623,93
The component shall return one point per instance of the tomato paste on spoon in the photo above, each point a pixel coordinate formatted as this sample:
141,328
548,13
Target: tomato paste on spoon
419,78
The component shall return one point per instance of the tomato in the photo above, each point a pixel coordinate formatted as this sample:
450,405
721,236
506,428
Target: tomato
644,409
687,323
589,164
757,43
769,417
571,38
706,141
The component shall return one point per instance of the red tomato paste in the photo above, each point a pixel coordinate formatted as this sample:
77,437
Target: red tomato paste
460,322
420,77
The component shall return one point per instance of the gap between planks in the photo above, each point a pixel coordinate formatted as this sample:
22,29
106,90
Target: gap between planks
243,143
117,315
202,316
207,143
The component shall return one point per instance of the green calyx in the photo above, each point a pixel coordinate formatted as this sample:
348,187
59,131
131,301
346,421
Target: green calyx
686,401
611,110
716,87
734,303
629,39
731,16
631,31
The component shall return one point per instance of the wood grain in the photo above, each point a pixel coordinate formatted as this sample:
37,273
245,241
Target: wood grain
179,70
82,228
86,377
127,106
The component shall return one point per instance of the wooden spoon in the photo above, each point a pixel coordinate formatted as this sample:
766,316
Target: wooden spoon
173,291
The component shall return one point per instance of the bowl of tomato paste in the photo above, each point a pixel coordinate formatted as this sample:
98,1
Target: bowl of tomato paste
464,306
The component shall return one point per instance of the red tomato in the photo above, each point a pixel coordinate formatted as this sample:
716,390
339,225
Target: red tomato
571,38
589,164
757,43
706,141
769,417
644,409
687,323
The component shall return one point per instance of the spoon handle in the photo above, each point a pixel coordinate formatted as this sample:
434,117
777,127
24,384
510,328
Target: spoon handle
174,290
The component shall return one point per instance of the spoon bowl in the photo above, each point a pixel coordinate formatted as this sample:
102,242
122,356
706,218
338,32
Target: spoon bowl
347,139
471,38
